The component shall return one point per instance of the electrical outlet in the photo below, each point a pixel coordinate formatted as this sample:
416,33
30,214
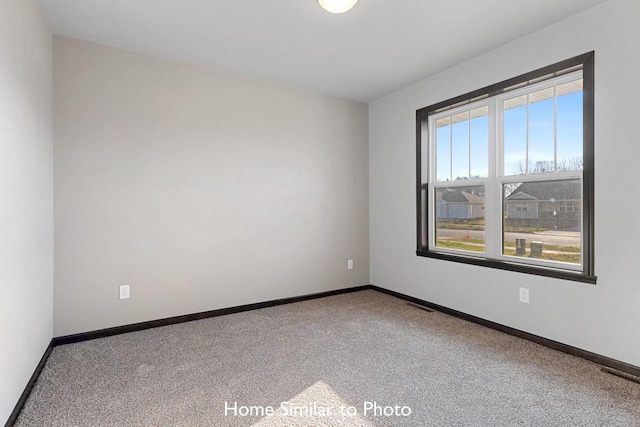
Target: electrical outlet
350,264
124,292
524,295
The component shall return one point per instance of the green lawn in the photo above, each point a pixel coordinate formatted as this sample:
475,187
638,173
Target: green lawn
567,253
478,224
461,245
562,257
519,229
572,249
462,224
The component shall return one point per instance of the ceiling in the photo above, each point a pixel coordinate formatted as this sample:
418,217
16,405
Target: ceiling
374,49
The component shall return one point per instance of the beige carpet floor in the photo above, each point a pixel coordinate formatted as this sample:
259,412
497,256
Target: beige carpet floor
359,359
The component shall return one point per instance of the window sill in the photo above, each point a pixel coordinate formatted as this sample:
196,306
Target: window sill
501,265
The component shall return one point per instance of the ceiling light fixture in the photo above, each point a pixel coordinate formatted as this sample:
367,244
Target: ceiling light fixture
337,6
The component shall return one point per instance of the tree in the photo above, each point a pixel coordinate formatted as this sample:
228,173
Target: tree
544,166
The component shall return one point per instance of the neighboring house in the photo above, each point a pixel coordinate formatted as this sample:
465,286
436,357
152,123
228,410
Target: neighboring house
453,203
545,200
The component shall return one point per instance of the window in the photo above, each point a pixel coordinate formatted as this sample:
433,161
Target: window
505,174
521,206
570,206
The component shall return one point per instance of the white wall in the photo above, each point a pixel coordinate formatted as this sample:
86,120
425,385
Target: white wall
605,318
199,189
26,196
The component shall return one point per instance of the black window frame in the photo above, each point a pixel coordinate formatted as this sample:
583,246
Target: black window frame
587,275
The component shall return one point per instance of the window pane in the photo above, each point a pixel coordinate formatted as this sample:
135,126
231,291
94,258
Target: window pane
569,125
515,135
460,146
541,131
543,220
443,149
459,218
480,143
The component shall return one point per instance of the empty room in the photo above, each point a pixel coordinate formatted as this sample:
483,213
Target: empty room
319,213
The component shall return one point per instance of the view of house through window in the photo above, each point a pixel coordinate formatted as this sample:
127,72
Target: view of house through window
535,223
460,218
502,175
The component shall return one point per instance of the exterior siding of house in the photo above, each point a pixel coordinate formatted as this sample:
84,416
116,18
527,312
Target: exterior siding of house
454,210
513,213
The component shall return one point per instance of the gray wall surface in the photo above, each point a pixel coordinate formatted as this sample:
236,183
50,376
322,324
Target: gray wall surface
605,318
26,196
199,189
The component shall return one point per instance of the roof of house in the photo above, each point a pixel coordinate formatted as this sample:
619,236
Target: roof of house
473,198
453,195
546,190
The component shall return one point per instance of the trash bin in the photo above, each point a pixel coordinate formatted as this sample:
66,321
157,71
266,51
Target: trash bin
536,249
521,247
